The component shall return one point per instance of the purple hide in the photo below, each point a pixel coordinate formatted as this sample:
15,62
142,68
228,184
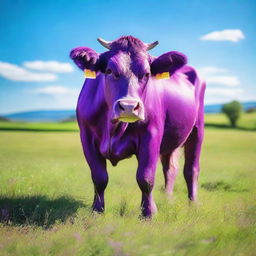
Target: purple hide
126,111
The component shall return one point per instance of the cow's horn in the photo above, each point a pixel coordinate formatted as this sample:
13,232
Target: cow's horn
104,43
152,45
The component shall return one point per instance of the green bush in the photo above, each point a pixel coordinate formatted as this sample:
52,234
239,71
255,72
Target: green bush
233,111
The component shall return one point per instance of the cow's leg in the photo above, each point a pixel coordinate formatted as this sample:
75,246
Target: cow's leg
147,162
146,178
192,155
97,165
170,170
193,148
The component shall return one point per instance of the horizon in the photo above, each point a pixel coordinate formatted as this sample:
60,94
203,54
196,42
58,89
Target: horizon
74,109
36,72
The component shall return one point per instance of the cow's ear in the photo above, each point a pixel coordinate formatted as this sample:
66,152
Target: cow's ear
168,62
85,58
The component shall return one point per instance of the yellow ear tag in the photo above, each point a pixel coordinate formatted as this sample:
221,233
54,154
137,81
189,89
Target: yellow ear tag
89,74
164,75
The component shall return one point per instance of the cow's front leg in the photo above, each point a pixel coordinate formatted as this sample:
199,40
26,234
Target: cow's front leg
100,181
97,165
147,162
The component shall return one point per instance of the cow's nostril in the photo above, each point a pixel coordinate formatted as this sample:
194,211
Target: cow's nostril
120,106
137,106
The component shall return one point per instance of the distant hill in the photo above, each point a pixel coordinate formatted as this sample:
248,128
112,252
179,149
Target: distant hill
5,119
42,115
68,115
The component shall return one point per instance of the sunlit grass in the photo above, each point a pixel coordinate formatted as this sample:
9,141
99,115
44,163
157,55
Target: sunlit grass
46,193
23,126
246,121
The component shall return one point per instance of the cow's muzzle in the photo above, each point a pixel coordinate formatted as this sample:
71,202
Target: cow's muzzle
128,110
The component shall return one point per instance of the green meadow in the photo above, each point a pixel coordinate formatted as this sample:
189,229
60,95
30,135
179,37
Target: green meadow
46,193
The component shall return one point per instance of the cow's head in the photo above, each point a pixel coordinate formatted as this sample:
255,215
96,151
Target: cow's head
127,67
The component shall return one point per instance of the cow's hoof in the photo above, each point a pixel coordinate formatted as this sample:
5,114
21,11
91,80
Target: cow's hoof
193,203
146,216
96,213
147,213
169,195
97,209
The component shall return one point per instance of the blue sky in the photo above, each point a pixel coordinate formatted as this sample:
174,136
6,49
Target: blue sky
37,35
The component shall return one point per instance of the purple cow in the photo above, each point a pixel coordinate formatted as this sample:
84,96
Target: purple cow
126,110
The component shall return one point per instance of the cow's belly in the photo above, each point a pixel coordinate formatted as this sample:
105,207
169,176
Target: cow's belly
173,139
181,115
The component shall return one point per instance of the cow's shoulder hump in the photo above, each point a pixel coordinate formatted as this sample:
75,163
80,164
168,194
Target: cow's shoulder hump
191,74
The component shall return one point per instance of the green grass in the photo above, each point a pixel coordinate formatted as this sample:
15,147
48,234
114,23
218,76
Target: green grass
23,126
246,122
46,193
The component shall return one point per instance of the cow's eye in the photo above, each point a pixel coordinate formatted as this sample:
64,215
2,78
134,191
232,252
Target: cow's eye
143,76
108,71
146,75
116,75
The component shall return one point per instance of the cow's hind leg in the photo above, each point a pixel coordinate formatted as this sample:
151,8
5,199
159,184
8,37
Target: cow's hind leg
170,170
193,149
97,165
192,155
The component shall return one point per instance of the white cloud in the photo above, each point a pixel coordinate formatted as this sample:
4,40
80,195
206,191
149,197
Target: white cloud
223,91
16,73
214,75
210,70
53,66
222,87
61,97
224,80
54,90
233,35
221,95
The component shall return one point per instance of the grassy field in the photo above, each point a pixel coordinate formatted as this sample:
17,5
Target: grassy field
46,193
21,126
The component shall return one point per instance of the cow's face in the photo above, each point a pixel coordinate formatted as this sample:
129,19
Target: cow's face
126,76
127,67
